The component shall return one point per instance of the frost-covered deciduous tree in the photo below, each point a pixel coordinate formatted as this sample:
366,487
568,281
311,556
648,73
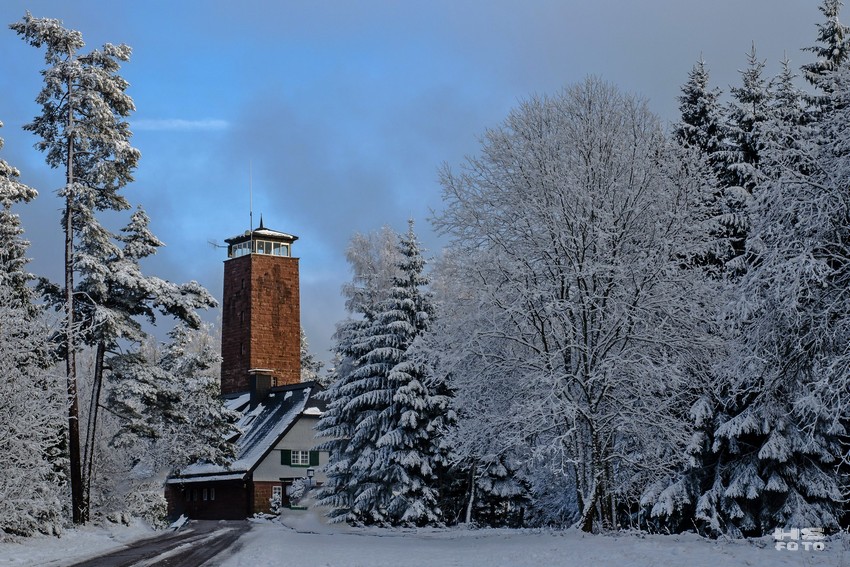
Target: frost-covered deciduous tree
31,431
31,403
374,259
576,324
83,131
310,367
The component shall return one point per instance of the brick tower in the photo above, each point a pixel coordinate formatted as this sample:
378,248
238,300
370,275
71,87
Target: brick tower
261,311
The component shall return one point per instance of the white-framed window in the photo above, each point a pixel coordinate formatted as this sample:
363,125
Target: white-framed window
277,492
259,247
299,458
240,249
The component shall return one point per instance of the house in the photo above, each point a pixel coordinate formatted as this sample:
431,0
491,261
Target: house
260,379
274,449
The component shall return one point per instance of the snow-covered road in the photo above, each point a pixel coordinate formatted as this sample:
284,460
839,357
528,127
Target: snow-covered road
191,546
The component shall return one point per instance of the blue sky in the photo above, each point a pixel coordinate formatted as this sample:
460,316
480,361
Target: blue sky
340,112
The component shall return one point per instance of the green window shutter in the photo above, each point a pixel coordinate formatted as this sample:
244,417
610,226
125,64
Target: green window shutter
314,458
286,457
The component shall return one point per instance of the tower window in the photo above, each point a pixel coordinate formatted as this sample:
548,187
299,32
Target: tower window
258,247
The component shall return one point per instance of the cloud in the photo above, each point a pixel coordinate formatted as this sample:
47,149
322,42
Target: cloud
179,124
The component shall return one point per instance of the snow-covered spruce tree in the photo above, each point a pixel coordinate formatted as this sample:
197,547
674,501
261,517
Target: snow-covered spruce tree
833,48
670,504
172,396
410,439
381,413
502,488
570,229
13,248
700,132
700,496
787,433
701,120
741,156
373,259
82,130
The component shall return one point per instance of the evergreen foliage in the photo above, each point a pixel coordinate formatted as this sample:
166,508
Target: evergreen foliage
380,413
833,45
82,129
769,444
13,247
170,399
741,157
701,122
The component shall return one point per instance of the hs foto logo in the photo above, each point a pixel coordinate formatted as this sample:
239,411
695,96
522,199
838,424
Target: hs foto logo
807,539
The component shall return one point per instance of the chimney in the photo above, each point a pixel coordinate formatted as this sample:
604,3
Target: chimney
261,383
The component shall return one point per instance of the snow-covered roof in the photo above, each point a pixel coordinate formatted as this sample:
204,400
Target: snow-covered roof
261,428
274,234
262,232
206,478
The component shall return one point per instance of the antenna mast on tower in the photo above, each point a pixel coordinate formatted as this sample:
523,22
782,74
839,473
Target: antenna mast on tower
250,197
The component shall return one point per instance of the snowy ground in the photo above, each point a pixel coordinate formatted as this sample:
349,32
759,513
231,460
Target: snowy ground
302,534
74,545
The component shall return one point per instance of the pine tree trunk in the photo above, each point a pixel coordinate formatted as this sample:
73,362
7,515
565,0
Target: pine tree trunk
77,499
91,430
